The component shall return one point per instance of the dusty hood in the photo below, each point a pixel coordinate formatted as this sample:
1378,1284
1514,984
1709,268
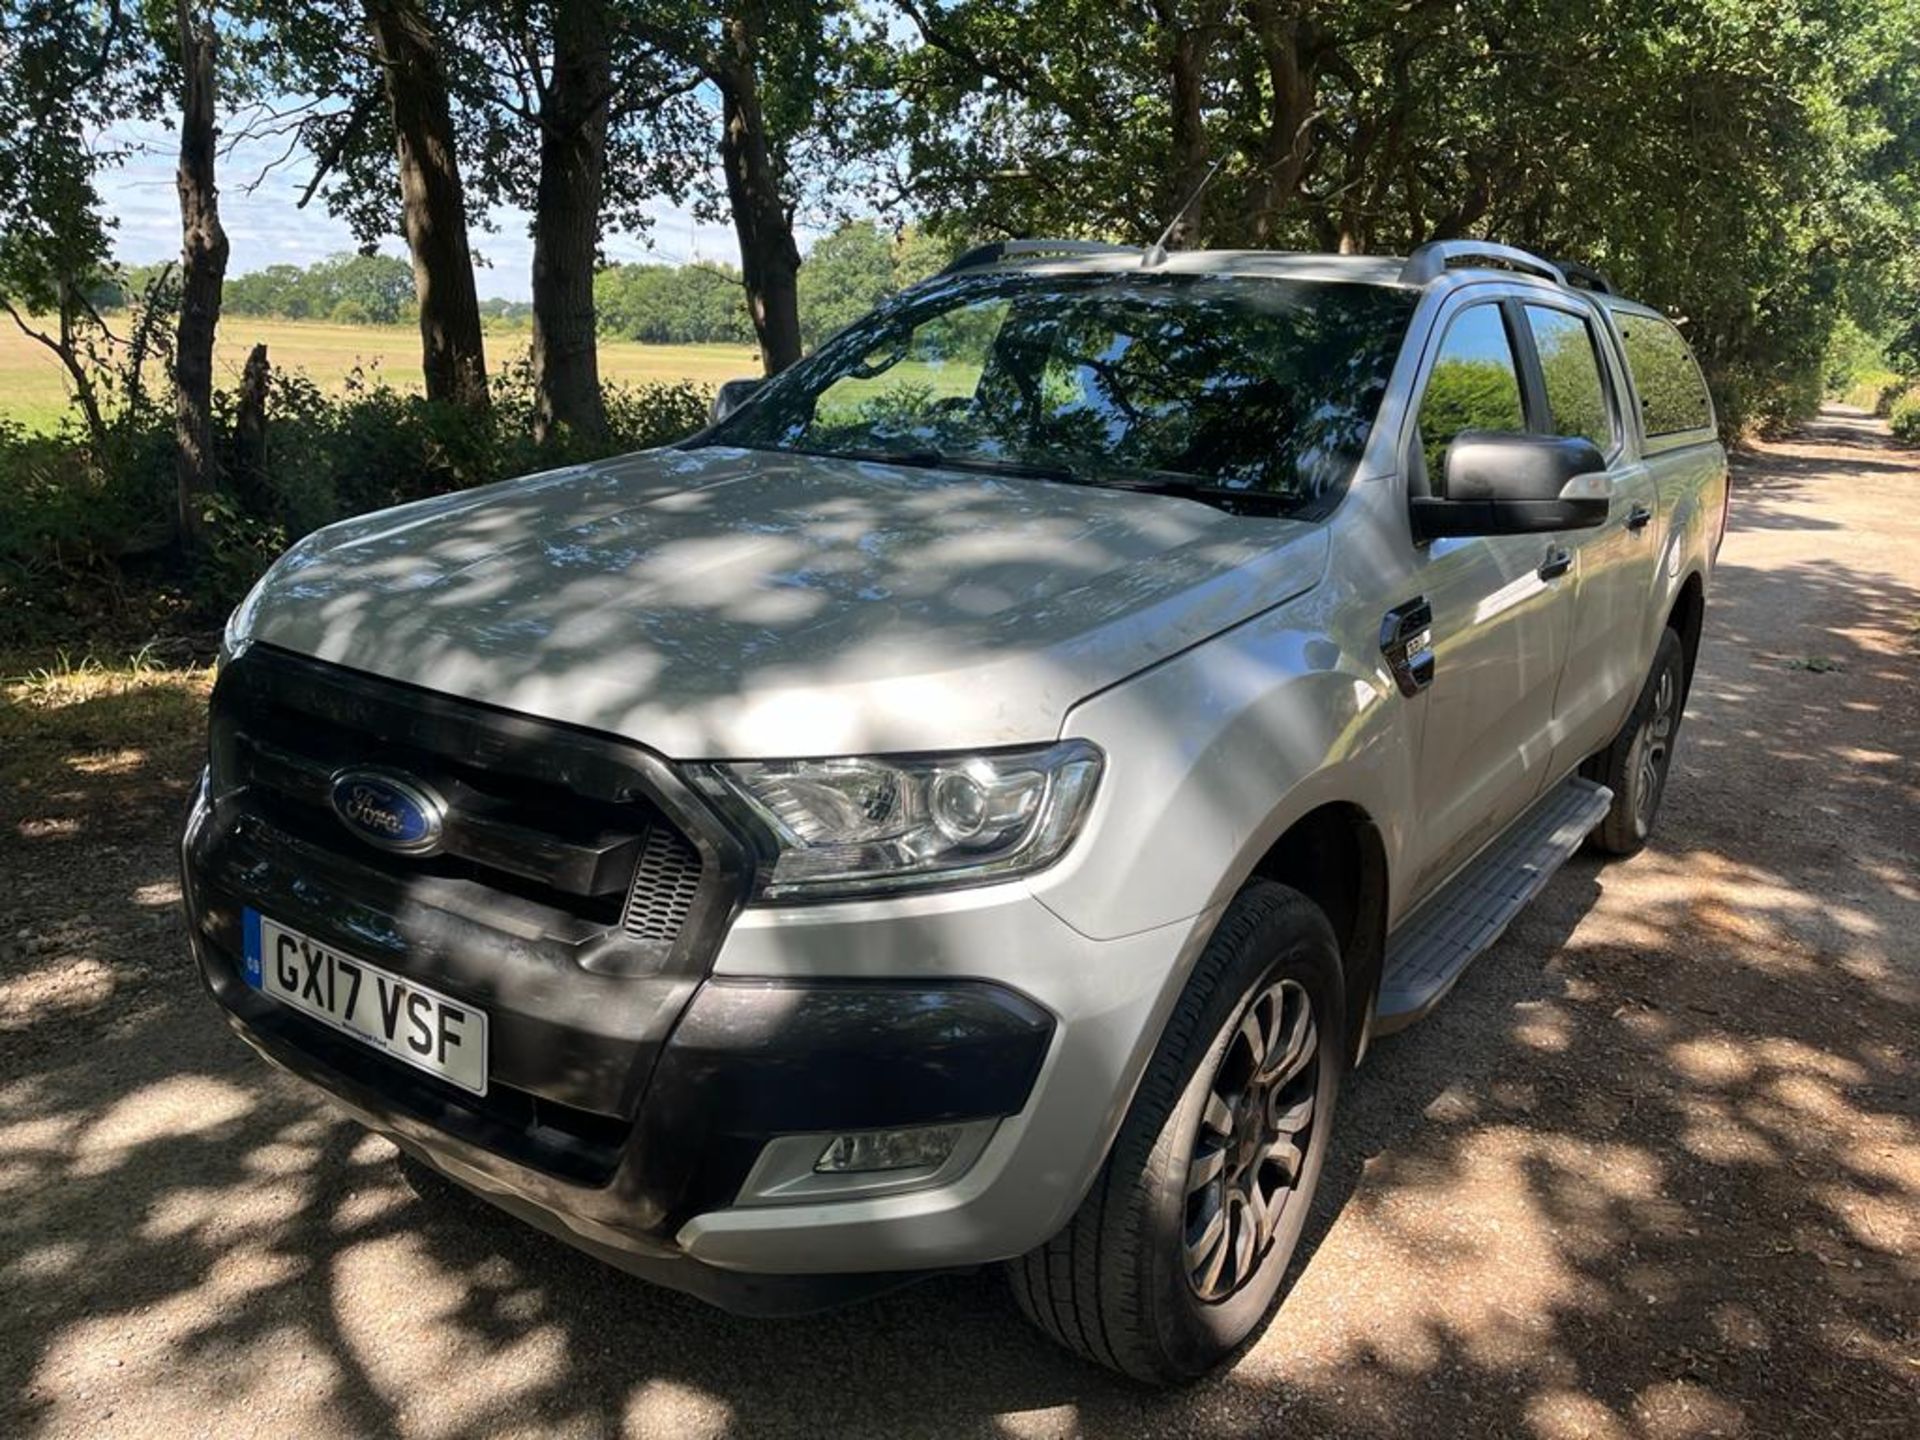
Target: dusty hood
719,602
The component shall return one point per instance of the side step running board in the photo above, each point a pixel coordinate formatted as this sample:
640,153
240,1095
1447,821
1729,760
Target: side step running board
1434,946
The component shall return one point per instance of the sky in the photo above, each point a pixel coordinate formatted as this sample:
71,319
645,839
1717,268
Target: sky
265,226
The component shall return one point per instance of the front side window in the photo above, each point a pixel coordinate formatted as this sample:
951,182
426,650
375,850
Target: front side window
1474,385
1673,394
1211,385
1570,365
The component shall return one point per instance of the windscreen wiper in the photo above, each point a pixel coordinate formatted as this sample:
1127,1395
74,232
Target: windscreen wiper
1221,497
941,460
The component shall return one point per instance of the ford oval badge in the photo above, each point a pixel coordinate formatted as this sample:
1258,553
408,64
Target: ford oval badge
389,810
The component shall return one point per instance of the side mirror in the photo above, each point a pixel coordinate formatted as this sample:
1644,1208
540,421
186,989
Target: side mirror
1499,483
731,395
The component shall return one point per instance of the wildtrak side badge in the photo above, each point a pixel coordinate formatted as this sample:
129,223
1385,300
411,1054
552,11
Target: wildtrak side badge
389,810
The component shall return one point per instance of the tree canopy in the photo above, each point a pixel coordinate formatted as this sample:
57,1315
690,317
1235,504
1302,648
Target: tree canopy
673,304
1751,167
1748,165
847,272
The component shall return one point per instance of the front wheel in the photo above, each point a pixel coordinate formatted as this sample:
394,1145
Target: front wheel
1636,764
1177,1254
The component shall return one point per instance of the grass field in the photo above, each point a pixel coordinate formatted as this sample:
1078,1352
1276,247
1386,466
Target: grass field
33,389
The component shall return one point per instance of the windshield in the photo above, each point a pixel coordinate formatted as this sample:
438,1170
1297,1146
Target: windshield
1221,387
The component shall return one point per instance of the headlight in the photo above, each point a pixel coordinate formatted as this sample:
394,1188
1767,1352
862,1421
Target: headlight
858,826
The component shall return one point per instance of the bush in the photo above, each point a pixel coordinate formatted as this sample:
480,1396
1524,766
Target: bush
1765,400
86,532
1903,415
78,527
330,456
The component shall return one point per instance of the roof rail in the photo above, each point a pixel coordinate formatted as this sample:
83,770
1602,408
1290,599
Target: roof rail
998,250
1586,277
1431,260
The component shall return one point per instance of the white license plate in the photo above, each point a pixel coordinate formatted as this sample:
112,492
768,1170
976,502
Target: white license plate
396,1016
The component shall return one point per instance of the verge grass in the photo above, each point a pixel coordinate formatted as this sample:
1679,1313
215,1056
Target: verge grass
66,718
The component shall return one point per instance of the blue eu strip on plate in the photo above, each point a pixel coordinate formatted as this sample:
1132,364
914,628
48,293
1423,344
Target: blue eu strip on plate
250,945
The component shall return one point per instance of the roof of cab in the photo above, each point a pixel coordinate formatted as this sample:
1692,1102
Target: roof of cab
1277,264
1429,263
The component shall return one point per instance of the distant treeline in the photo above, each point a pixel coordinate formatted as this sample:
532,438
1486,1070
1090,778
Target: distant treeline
346,289
703,303
847,273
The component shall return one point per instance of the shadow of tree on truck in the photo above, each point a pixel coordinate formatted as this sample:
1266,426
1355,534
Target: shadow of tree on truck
1652,1170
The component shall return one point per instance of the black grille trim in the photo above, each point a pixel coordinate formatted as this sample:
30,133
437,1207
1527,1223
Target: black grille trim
498,833
665,885
648,876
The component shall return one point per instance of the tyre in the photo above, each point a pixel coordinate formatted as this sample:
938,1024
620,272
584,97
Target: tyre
1177,1254
1635,765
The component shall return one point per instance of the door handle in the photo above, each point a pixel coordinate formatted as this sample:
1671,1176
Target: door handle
1406,639
1559,560
1638,517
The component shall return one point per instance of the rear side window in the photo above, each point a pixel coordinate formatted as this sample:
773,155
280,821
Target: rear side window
1570,365
1474,385
1673,395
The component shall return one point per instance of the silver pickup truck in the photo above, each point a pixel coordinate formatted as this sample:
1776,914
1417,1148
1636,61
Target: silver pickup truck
975,801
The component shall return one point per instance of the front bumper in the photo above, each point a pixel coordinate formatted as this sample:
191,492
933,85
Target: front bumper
974,1006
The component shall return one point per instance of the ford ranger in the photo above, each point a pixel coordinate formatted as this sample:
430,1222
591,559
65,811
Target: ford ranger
974,802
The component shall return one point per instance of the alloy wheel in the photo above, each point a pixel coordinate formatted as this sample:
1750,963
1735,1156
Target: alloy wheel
1655,744
1252,1146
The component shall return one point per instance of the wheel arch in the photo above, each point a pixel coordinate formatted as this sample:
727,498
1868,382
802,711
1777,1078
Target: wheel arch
1687,617
1335,856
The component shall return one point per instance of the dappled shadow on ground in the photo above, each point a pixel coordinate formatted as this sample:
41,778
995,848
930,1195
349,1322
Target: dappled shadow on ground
1653,1170
94,771
1843,427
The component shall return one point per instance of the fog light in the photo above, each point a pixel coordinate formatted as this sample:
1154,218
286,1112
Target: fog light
928,1145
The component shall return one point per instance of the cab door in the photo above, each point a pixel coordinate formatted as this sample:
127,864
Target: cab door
1613,563
1501,605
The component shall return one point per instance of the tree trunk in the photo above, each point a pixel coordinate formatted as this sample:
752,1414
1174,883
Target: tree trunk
1291,85
250,433
203,268
566,224
1188,48
769,260
432,205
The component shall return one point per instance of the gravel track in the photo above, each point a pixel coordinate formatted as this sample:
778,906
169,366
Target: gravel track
1652,1170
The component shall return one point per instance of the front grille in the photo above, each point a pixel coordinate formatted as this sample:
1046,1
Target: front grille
579,897
664,887
569,823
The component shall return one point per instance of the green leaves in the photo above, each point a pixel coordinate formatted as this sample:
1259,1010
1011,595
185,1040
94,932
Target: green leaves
348,289
853,269
66,71
673,304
